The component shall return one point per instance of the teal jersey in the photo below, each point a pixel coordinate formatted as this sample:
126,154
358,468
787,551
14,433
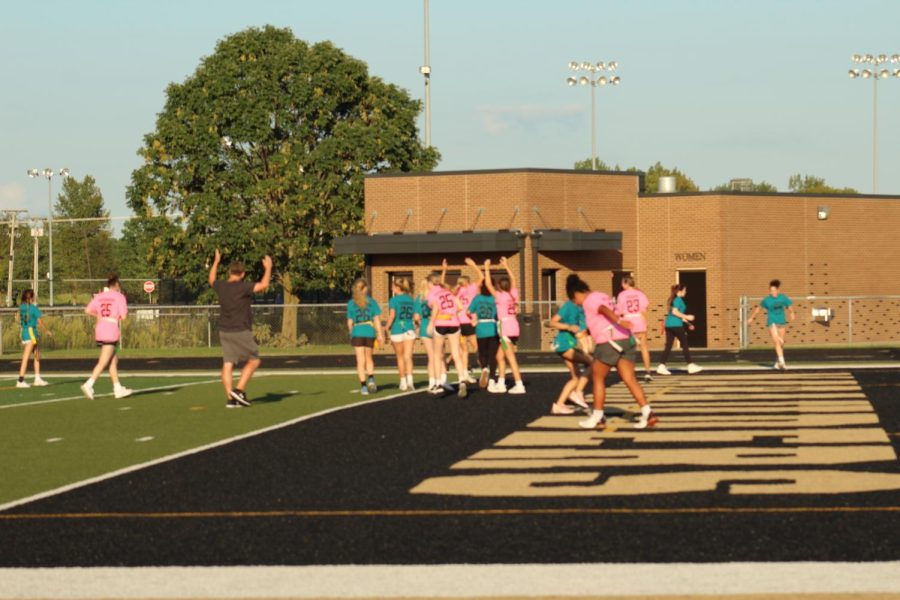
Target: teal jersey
421,308
363,318
485,310
775,306
569,314
403,306
672,320
28,319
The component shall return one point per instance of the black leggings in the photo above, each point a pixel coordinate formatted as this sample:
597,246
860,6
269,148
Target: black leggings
681,334
487,353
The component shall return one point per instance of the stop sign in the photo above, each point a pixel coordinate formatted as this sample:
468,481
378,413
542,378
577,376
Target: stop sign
149,286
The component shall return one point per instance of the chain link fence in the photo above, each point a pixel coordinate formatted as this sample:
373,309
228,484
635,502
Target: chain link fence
829,320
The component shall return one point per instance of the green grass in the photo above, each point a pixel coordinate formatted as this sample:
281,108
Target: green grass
185,352
100,436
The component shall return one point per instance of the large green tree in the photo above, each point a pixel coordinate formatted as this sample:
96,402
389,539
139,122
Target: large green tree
82,234
810,184
263,150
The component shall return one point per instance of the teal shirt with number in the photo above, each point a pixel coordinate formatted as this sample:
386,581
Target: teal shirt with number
672,320
363,318
775,306
485,310
403,306
421,308
28,319
569,314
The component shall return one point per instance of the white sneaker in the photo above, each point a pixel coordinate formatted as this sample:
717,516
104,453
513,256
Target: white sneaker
556,409
23,384
446,387
122,392
435,390
694,368
595,421
578,398
519,388
88,391
402,385
38,382
463,390
497,387
662,370
646,422
779,365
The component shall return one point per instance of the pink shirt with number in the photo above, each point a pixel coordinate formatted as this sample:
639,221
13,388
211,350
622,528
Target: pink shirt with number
465,294
601,328
507,307
443,303
630,305
110,308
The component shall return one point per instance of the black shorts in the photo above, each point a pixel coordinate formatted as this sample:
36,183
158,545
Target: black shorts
467,329
362,342
514,339
447,330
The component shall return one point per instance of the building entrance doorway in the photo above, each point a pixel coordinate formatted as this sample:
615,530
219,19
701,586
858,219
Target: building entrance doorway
696,305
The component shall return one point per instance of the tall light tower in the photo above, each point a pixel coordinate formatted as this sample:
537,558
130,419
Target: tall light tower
875,71
425,70
594,78
48,173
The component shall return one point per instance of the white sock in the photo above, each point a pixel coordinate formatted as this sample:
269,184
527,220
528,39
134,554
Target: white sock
645,411
431,382
90,382
519,382
781,360
443,379
598,413
409,379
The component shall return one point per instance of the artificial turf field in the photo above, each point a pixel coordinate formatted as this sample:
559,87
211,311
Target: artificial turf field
743,467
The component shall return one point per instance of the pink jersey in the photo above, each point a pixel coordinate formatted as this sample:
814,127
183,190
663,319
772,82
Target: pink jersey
465,294
507,307
601,328
630,305
444,305
110,308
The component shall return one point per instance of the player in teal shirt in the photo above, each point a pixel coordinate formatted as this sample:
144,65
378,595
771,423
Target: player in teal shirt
676,321
364,327
483,312
571,325
401,308
775,304
30,320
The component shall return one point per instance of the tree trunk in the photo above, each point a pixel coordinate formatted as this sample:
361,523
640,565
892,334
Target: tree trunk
289,317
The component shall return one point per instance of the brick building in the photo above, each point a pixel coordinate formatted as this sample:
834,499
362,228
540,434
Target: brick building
550,223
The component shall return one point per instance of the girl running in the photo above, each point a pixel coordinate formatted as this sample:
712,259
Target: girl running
364,327
775,303
110,307
465,291
615,348
676,320
422,316
571,324
30,320
482,311
631,305
403,330
445,326
507,298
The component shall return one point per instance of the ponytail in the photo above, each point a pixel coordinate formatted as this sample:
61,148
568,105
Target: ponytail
674,292
574,284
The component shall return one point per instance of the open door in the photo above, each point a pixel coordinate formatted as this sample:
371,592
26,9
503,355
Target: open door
696,305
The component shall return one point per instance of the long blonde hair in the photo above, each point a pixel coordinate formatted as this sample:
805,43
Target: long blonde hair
360,291
403,284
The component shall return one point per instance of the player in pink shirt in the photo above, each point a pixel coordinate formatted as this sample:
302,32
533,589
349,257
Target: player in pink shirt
506,294
110,308
631,305
465,291
445,324
615,348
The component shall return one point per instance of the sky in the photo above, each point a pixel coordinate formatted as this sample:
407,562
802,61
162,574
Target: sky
720,89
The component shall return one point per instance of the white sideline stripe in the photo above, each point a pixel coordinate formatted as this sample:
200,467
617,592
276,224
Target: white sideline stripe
81,397
197,450
422,581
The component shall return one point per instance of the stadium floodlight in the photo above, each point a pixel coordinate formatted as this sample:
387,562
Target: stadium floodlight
48,174
875,70
594,78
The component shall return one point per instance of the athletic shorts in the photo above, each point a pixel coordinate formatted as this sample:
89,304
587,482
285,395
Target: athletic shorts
467,329
608,355
514,339
238,346
446,330
402,337
564,342
362,342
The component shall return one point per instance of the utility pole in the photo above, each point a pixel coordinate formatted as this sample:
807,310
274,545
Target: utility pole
13,216
425,70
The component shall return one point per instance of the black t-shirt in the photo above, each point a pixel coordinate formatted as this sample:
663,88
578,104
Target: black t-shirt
235,298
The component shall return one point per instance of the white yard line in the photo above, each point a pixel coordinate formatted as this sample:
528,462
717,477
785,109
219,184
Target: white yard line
96,396
779,579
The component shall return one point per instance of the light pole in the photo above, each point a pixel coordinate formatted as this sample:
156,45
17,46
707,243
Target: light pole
875,71
594,78
48,173
37,232
13,216
425,70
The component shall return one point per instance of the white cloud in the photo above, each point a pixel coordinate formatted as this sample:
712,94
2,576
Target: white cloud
498,119
12,196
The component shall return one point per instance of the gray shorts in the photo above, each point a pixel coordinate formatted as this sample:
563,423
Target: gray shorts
608,355
238,346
